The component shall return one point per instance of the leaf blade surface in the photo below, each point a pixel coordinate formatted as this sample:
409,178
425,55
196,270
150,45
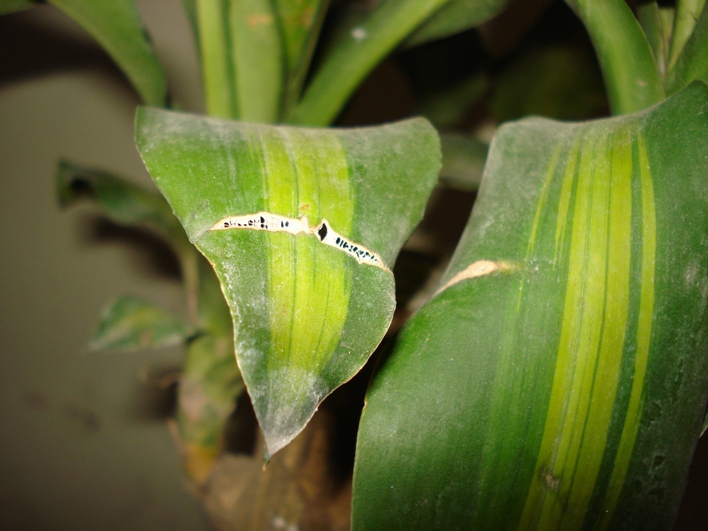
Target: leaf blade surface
290,218
564,385
116,25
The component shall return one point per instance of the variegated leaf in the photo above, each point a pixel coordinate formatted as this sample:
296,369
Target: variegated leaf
303,227
559,378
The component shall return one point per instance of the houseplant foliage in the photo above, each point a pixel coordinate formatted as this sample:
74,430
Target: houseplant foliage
255,57
554,379
302,235
505,408
558,379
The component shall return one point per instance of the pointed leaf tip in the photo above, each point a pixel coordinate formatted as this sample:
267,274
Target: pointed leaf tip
302,227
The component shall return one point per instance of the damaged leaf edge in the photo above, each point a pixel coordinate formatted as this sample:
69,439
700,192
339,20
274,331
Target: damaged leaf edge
324,233
477,269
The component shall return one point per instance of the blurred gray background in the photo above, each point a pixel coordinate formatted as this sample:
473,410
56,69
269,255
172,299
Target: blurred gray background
82,441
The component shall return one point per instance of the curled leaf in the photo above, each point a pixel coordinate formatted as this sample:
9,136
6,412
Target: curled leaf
302,227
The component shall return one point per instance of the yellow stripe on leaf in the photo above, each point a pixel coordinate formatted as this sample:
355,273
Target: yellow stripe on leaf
644,330
597,183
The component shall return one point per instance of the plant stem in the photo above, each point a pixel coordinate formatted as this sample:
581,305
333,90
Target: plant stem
258,62
352,61
216,64
631,74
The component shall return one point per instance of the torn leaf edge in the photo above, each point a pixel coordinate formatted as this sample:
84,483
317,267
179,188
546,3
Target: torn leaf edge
477,269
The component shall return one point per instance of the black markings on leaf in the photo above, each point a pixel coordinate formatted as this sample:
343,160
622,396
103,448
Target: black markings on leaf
322,231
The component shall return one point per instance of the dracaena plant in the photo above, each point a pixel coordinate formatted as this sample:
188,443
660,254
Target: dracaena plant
556,377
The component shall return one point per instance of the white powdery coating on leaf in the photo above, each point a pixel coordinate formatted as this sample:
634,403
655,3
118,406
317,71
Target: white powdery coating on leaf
324,233
289,411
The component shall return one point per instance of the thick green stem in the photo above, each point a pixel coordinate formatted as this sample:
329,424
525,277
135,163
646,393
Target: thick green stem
631,75
300,33
257,57
216,63
354,59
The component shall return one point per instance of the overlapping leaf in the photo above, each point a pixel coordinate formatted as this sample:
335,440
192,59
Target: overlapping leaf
657,23
311,300
120,200
692,62
300,23
686,14
126,203
354,57
255,53
559,378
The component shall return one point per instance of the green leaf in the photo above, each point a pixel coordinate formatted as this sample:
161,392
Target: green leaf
631,74
214,37
310,300
456,16
686,14
692,64
242,56
120,200
297,18
129,323
558,380
353,58
10,6
127,204
300,21
116,25
657,24
258,55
